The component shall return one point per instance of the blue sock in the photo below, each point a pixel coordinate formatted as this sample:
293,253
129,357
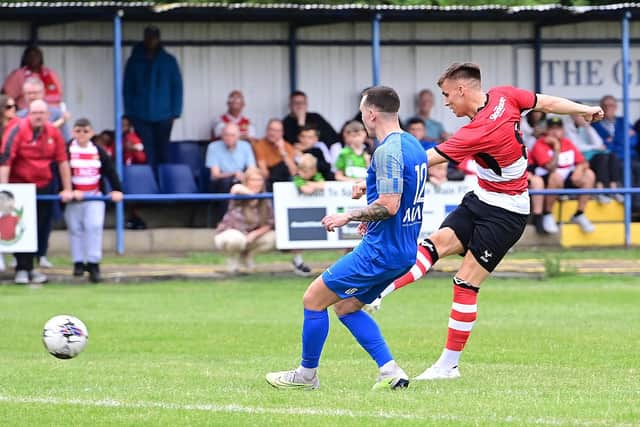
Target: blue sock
367,332
315,329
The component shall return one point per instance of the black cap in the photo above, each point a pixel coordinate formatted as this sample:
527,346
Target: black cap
152,31
555,121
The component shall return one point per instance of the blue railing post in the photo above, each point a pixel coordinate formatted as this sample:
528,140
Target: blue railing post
375,48
537,58
625,103
118,112
293,58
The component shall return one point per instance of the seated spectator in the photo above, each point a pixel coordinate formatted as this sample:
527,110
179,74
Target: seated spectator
227,160
235,105
247,226
89,164
603,163
561,165
33,89
533,126
308,143
32,66
434,130
299,118
8,118
353,161
611,129
308,180
415,126
274,155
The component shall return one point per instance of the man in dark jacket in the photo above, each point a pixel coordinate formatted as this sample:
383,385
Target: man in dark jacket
299,118
153,94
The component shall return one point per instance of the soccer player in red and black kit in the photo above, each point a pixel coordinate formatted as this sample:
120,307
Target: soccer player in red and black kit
491,218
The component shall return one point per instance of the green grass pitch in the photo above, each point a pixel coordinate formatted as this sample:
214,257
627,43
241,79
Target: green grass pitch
564,351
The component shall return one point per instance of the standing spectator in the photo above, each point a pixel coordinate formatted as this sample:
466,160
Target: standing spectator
561,165
299,118
28,149
611,129
424,105
353,161
247,226
153,94
533,126
89,164
32,65
33,89
308,143
604,163
227,159
235,105
274,155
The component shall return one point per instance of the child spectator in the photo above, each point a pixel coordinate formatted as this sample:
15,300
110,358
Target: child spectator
132,147
561,165
85,219
247,226
353,161
308,143
308,180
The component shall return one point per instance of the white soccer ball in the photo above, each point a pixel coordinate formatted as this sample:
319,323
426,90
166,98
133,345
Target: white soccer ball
65,336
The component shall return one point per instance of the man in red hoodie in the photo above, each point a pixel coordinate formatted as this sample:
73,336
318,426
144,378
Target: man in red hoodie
28,149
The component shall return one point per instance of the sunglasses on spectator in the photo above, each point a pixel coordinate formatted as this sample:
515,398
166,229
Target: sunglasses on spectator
9,106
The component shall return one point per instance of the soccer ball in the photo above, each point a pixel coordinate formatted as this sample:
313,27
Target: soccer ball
65,336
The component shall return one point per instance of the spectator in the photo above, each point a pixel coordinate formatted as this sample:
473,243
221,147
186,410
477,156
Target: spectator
274,155
533,126
308,180
89,164
308,143
416,127
8,113
32,66
235,105
561,165
132,147
603,163
611,129
153,94
33,89
227,160
353,160
434,129
28,149
300,118
247,226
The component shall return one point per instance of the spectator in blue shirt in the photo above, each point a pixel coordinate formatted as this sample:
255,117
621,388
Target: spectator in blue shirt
611,129
424,105
227,159
152,94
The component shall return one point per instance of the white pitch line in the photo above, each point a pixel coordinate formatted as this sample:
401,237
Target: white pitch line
209,407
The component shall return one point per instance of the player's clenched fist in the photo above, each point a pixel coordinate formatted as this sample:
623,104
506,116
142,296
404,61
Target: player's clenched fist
331,222
358,190
594,114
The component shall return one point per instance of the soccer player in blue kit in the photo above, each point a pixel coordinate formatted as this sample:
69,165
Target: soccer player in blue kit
390,223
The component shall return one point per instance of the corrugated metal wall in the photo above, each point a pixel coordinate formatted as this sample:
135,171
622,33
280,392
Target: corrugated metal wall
331,75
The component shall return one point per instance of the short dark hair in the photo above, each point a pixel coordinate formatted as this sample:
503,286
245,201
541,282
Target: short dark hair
383,98
309,127
297,93
82,123
461,70
414,121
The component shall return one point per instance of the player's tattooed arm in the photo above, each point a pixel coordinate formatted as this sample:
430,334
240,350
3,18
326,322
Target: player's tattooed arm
373,212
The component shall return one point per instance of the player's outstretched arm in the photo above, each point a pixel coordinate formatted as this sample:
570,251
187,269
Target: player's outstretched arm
558,105
384,207
434,157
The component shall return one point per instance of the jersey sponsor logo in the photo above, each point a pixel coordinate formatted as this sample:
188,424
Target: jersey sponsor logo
499,109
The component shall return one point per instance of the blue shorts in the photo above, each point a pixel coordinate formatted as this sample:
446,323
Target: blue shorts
363,278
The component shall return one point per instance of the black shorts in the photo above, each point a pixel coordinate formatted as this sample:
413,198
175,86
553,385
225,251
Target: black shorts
485,230
567,181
